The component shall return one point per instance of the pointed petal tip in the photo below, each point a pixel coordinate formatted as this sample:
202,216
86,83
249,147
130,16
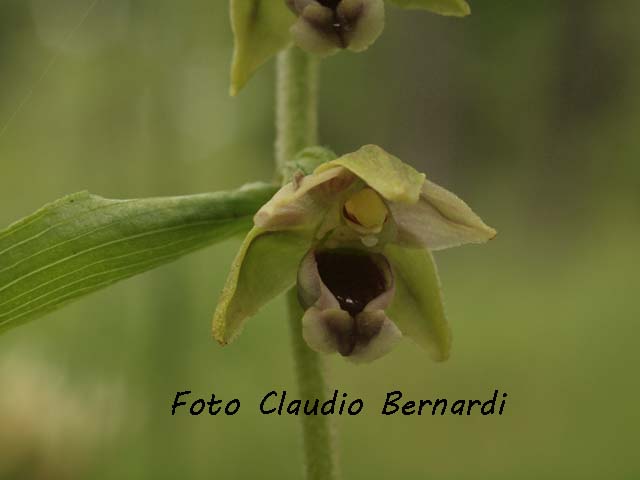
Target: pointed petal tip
217,329
443,353
488,233
460,11
438,349
439,220
239,78
440,358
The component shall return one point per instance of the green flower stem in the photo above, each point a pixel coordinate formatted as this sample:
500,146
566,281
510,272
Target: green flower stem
296,128
320,462
296,106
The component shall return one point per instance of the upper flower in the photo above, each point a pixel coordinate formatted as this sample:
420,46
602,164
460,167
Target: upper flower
325,26
264,27
355,235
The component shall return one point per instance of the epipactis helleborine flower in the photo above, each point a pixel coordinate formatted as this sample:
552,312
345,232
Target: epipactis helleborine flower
262,28
355,235
324,27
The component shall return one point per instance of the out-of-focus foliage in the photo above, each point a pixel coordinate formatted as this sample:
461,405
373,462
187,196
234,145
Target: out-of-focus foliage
56,442
528,110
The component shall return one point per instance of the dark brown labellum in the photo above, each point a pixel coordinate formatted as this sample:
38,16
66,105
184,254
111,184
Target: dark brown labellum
334,24
354,278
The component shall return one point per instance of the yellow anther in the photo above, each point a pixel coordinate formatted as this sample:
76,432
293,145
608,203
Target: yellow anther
366,209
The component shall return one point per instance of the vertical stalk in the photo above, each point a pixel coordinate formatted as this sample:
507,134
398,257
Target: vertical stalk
296,128
319,454
296,105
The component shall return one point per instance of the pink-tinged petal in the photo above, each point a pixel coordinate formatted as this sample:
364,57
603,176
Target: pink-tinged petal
377,337
328,331
303,203
438,220
311,289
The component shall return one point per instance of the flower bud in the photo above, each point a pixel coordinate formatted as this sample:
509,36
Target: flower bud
326,26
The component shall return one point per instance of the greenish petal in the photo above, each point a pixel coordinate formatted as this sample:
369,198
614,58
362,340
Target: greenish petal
388,175
417,308
260,29
439,220
265,266
455,8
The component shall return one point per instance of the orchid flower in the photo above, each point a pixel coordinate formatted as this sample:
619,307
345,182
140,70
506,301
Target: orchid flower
262,28
355,236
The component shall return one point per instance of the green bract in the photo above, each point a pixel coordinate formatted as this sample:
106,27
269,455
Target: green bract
262,28
355,236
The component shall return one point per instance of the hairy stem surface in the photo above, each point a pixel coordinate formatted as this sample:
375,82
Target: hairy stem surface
296,106
296,128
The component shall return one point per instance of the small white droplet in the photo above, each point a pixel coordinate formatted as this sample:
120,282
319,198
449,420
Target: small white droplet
369,241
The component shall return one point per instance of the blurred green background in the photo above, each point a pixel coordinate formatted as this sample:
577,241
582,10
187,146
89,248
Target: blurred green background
527,110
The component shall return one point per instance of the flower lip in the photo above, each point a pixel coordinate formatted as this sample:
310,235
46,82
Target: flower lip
344,292
354,278
325,26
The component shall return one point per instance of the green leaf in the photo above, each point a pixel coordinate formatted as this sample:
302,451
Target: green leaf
266,265
417,307
83,242
260,29
455,8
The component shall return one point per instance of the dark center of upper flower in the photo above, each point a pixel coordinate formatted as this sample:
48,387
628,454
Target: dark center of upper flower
332,4
353,277
341,23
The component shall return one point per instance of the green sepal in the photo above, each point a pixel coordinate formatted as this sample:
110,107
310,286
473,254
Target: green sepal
454,8
417,308
260,30
388,175
83,242
265,266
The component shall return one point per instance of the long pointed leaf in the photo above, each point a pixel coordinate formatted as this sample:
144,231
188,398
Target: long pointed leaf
84,242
